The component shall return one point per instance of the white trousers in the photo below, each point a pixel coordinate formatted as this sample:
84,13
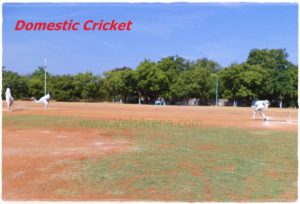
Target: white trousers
42,100
9,101
261,111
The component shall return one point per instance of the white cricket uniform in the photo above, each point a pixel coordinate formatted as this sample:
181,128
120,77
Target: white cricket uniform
44,99
9,98
261,107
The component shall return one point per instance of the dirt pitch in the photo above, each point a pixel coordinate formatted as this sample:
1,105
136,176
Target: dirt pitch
33,156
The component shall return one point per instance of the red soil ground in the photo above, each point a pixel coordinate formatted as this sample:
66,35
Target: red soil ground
210,116
30,155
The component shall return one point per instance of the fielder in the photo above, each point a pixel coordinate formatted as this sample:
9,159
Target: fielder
9,98
261,107
45,99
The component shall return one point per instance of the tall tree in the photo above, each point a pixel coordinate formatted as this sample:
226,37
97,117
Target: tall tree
36,83
243,82
152,81
275,59
172,67
198,82
19,84
62,88
279,83
86,86
120,83
211,65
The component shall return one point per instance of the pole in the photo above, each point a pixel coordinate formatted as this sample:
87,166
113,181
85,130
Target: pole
217,86
45,67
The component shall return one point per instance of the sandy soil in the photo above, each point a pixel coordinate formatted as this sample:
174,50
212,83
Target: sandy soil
209,116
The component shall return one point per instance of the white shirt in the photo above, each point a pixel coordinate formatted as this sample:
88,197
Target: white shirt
261,105
46,97
8,92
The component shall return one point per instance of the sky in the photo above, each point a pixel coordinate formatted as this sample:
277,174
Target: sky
223,32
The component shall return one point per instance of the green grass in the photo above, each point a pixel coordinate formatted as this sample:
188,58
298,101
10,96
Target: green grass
31,121
180,164
170,164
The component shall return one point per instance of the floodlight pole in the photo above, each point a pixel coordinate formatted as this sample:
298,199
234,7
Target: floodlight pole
45,67
217,91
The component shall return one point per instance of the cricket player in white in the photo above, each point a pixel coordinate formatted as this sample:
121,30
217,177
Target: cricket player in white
9,98
261,107
44,99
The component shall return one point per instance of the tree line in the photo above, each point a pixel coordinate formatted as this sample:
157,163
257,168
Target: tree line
266,74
